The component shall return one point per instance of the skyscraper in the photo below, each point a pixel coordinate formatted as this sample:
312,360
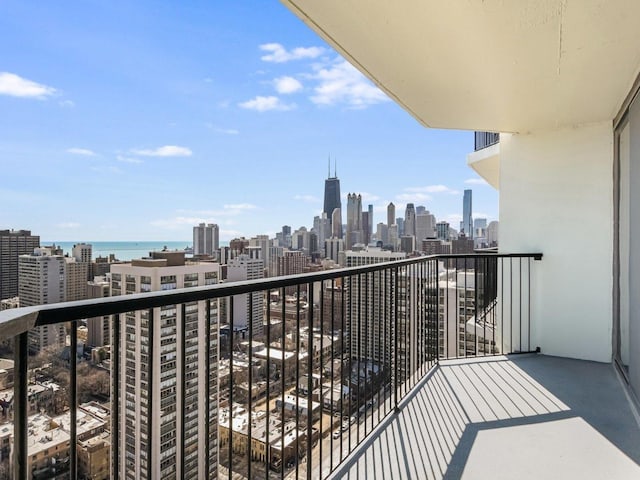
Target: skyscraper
410,220
332,197
336,223
206,239
164,407
13,243
370,208
391,214
354,220
467,222
425,226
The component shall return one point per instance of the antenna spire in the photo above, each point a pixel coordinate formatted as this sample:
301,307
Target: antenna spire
335,167
329,166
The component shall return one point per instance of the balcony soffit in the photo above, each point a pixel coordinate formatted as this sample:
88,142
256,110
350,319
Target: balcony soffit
492,65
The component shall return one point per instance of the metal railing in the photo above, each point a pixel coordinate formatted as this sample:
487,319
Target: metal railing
485,139
298,389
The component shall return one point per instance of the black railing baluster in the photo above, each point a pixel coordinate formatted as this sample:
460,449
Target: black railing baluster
250,390
267,457
297,388
501,305
321,395
115,394
529,304
231,333
207,391
150,361
345,337
20,406
359,354
310,384
73,393
183,386
283,373
352,327
380,355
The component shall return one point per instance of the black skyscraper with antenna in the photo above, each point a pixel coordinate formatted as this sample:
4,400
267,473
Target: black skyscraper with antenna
332,193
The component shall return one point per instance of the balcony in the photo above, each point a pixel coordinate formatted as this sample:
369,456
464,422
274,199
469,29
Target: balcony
420,368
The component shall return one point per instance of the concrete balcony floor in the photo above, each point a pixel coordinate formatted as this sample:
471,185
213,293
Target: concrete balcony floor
524,417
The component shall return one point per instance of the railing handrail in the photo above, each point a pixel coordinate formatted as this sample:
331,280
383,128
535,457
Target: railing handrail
14,322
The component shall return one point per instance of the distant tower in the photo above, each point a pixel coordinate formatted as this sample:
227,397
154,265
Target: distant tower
467,222
370,208
336,223
354,220
332,197
410,220
13,244
391,214
206,239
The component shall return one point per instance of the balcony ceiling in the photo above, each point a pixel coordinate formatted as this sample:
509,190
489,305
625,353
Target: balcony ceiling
494,65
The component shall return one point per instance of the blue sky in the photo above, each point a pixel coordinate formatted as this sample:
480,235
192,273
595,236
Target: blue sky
136,120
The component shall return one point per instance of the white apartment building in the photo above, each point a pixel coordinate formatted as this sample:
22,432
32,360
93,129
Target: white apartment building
245,267
82,252
206,239
42,280
164,406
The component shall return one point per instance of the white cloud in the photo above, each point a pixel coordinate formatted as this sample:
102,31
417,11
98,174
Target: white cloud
307,198
68,225
433,189
286,85
81,151
413,197
224,131
476,181
66,103
223,216
264,104
16,86
369,197
240,206
340,82
454,219
278,54
165,151
107,169
124,159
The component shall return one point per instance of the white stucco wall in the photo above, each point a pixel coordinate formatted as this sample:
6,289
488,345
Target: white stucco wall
556,197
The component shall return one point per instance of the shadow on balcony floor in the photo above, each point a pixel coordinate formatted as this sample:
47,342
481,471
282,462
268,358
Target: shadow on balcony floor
521,417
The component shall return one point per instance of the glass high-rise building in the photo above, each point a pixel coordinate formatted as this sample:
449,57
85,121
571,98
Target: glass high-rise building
467,222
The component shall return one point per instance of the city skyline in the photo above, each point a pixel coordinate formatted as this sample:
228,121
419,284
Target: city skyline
128,133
